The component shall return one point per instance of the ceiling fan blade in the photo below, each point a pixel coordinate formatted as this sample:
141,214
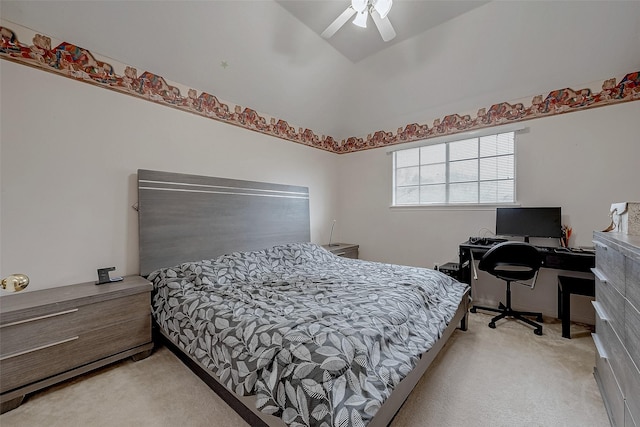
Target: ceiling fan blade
338,23
382,7
384,26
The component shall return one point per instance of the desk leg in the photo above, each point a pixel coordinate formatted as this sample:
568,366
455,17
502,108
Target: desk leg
559,316
566,314
464,272
464,322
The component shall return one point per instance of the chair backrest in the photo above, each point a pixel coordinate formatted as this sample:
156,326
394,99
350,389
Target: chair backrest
512,261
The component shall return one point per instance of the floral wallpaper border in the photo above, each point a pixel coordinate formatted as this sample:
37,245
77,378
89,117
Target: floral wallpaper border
77,63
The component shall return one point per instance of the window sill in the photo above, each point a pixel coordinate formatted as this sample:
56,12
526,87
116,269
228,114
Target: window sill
454,207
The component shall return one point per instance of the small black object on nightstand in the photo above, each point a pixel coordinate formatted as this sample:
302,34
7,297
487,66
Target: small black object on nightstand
103,276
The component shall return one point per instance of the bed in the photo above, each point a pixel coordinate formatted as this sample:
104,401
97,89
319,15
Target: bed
286,332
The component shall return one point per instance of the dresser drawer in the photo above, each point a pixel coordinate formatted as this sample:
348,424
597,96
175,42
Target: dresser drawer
611,264
75,350
612,343
628,418
632,332
29,333
609,388
631,389
611,302
633,281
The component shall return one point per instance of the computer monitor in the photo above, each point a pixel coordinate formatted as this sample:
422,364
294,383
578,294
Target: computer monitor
529,222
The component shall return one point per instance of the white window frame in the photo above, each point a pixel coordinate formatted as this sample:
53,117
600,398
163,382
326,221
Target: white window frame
447,140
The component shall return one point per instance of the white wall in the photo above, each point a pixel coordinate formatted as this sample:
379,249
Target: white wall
581,161
469,62
69,156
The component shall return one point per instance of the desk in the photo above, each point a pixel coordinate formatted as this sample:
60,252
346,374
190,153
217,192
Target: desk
558,260
555,258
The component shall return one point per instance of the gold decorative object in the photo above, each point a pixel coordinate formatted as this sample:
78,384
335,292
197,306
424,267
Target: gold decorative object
15,282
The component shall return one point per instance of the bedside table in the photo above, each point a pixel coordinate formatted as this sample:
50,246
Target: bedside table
51,335
346,250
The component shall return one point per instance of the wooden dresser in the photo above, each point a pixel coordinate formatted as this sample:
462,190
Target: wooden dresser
346,250
617,336
50,335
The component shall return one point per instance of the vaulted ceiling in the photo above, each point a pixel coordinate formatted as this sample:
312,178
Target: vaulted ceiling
449,56
411,18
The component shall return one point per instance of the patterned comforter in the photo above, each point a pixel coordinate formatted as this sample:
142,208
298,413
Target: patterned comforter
319,339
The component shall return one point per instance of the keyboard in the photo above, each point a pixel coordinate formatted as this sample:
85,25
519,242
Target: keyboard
562,250
485,241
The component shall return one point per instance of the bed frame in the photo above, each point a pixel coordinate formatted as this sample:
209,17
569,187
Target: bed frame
188,218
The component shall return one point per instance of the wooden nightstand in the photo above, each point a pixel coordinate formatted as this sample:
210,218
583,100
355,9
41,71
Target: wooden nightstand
346,250
51,335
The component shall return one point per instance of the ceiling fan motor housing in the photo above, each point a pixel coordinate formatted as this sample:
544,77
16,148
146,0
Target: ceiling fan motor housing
378,9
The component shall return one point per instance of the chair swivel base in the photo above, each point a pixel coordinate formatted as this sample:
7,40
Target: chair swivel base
506,311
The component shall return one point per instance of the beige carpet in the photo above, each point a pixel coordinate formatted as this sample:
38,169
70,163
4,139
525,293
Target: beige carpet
484,377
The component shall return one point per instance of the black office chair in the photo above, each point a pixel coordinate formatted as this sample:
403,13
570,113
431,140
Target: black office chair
512,262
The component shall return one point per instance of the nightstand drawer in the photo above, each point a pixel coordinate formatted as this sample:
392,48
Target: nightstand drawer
345,250
32,332
350,253
37,331
56,356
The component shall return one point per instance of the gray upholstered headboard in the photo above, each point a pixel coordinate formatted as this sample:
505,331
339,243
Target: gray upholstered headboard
189,218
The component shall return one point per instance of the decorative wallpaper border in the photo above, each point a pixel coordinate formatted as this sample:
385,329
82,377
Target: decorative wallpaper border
77,63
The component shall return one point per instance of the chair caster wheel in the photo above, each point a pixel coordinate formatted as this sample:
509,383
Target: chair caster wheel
492,325
473,310
501,306
537,331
